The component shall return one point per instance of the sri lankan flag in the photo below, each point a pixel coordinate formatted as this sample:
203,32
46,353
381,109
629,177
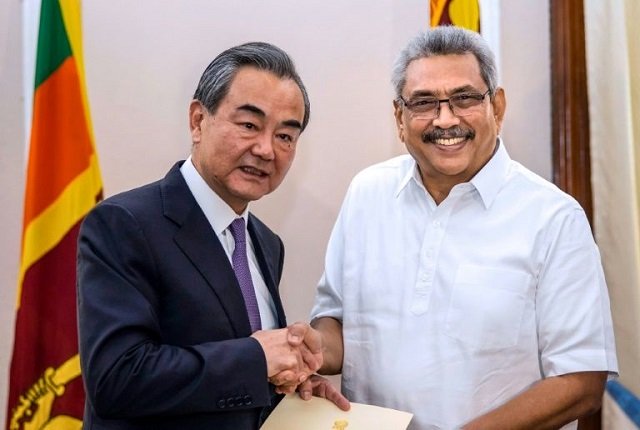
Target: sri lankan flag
62,184
462,13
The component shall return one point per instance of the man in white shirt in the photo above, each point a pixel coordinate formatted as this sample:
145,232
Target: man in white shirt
458,285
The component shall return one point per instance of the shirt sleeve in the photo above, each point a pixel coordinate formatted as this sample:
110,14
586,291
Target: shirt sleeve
328,299
573,314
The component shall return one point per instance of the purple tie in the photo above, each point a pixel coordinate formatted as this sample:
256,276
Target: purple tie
241,267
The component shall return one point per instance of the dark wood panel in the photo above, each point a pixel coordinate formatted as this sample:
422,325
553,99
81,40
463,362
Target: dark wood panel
569,109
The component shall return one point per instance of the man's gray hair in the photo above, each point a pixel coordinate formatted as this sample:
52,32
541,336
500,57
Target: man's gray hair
216,79
446,40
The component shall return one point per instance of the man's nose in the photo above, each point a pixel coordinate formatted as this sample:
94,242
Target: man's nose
263,147
446,118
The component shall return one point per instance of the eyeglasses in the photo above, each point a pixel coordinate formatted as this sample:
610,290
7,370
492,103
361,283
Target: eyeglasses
429,107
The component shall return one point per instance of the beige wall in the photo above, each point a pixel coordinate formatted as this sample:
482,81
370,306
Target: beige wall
143,60
11,178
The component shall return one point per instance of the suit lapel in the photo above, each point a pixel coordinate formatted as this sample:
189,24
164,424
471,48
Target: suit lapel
200,244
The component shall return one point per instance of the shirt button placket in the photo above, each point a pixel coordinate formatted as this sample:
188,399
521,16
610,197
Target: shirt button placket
423,287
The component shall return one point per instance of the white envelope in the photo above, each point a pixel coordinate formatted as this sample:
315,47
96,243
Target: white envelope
293,413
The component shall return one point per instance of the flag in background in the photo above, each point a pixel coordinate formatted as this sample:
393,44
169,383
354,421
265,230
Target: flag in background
474,15
62,184
462,13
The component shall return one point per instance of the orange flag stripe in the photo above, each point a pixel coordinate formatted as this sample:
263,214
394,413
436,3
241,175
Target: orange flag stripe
59,117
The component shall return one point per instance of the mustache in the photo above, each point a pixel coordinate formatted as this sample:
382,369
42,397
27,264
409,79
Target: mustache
430,136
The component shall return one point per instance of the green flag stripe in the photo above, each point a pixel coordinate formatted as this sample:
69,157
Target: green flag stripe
53,43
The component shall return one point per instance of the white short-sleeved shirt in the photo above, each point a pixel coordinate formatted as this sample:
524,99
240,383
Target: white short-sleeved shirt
450,310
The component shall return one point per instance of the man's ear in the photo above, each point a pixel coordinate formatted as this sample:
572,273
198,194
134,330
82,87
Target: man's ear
196,116
397,112
499,104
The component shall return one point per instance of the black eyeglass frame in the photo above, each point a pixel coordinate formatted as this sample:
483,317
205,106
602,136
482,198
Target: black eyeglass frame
479,97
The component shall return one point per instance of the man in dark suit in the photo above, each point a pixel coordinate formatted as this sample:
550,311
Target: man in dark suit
180,321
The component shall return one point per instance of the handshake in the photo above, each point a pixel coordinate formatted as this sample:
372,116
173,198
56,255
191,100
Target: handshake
293,356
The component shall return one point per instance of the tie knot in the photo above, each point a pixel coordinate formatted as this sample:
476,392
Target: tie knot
237,230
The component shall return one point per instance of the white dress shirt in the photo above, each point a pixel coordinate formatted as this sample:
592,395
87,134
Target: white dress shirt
450,310
220,215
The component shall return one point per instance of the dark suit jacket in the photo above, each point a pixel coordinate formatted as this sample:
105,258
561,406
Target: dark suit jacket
164,333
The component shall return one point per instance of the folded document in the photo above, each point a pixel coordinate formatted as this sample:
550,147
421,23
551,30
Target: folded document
293,413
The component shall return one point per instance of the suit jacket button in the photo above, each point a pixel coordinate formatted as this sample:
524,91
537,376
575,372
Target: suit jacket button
222,404
248,400
231,402
239,401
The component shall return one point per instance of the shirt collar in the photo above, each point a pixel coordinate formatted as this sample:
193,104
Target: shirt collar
487,181
490,178
411,173
218,212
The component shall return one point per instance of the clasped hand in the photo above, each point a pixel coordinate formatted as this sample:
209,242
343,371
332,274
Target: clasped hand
293,354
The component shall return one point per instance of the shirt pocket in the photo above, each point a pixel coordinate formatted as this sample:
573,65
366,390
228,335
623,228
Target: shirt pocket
487,306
